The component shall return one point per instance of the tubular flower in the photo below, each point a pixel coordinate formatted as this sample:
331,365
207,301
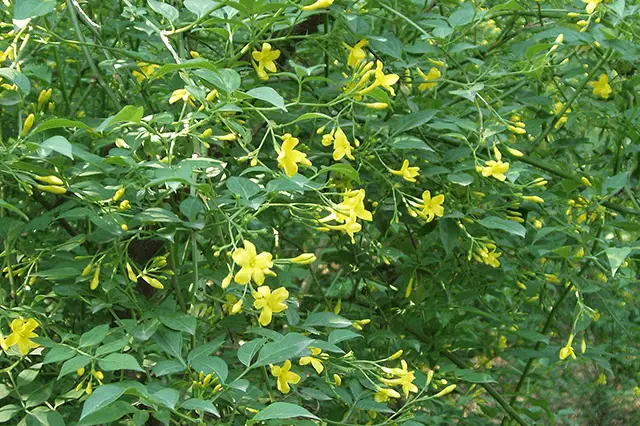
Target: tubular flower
350,226
288,157
146,71
431,207
28,124
557,108
357,53
181,95
265,60
319,4
567,350
382,79
407,173
353,203
601,87
269,302
434,74
497,169
404,378
591,5
252,265
384,394
43,97
341,146
315,360
22,333
488,255
285,376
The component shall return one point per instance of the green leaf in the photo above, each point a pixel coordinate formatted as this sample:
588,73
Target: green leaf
326,319
94,336
14,209
7,412
510,226
158,215
188,64
243,187
345,169
462,179
337,336
268,95
211,364
407,122
168,397
73,364
206,349
199,7
474,377
287,348
469,93
108,415
58,354
616,257
56,123
115,362
179,322
449,231
114,346
128,114
166,10
168,366
283,410
59,144
23,9
200,405
191,207
102,397
462,15
410,142
170,341
17,77
43,416
225,79
247,351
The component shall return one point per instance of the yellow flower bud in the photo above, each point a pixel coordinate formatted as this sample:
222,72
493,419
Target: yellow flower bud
80,371
124,205
583,346
515,152
153,282
51,107
229,137
98,375
582,23
560,38
533,199
124,227
87,270
337,379
396,355
573,14
517,130
211,95
43,97
53,189
253,162
207,133
585,181
237,307
445,391
377,105
119,193
338,307
96,279
89,388
194,54
207,379
304,259
28,124
226,281
130,274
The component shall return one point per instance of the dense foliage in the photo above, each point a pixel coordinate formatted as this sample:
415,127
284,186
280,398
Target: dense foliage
343,212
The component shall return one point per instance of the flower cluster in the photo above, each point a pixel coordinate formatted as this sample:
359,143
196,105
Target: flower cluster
347,213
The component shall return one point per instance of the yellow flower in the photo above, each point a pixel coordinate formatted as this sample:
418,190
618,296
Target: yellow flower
591,5
357,53
489,256
497,169
319,4
384,394
288,157
431,207
315,360
252,265
407,173
22,332
341,146
601,87
269,302
146,71
265,60
381,79
434,74
405,379
183,95
353,203
567,350
350,226
285,376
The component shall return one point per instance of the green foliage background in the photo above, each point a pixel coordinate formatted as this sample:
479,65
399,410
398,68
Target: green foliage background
201,175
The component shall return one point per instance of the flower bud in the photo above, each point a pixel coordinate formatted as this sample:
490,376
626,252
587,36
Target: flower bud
227,280
80,371
207,133
585,181
130,274
194,54
560,38
96,279
337,379
237,307
124,227
119,193
396,355
53,189
445,391
89,388
87,270
533,199
28,124
304,259
229,137
377,105
124,205
98,375
211,95
515,152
